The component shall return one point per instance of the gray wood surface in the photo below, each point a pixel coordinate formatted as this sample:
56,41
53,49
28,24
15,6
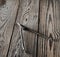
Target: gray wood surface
28,16
40,15
7,19
49,25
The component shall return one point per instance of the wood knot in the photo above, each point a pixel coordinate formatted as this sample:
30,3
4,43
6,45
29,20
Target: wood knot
50,41
2,2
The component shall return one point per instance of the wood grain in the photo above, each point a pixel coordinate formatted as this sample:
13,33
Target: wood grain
49,25
7,19
28,16
43,17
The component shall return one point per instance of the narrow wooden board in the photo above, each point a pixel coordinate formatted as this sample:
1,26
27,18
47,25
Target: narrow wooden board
7,19
50,26
28,16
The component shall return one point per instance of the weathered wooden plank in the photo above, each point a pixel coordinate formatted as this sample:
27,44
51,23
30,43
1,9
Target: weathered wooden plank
49,25
8,11
28,16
